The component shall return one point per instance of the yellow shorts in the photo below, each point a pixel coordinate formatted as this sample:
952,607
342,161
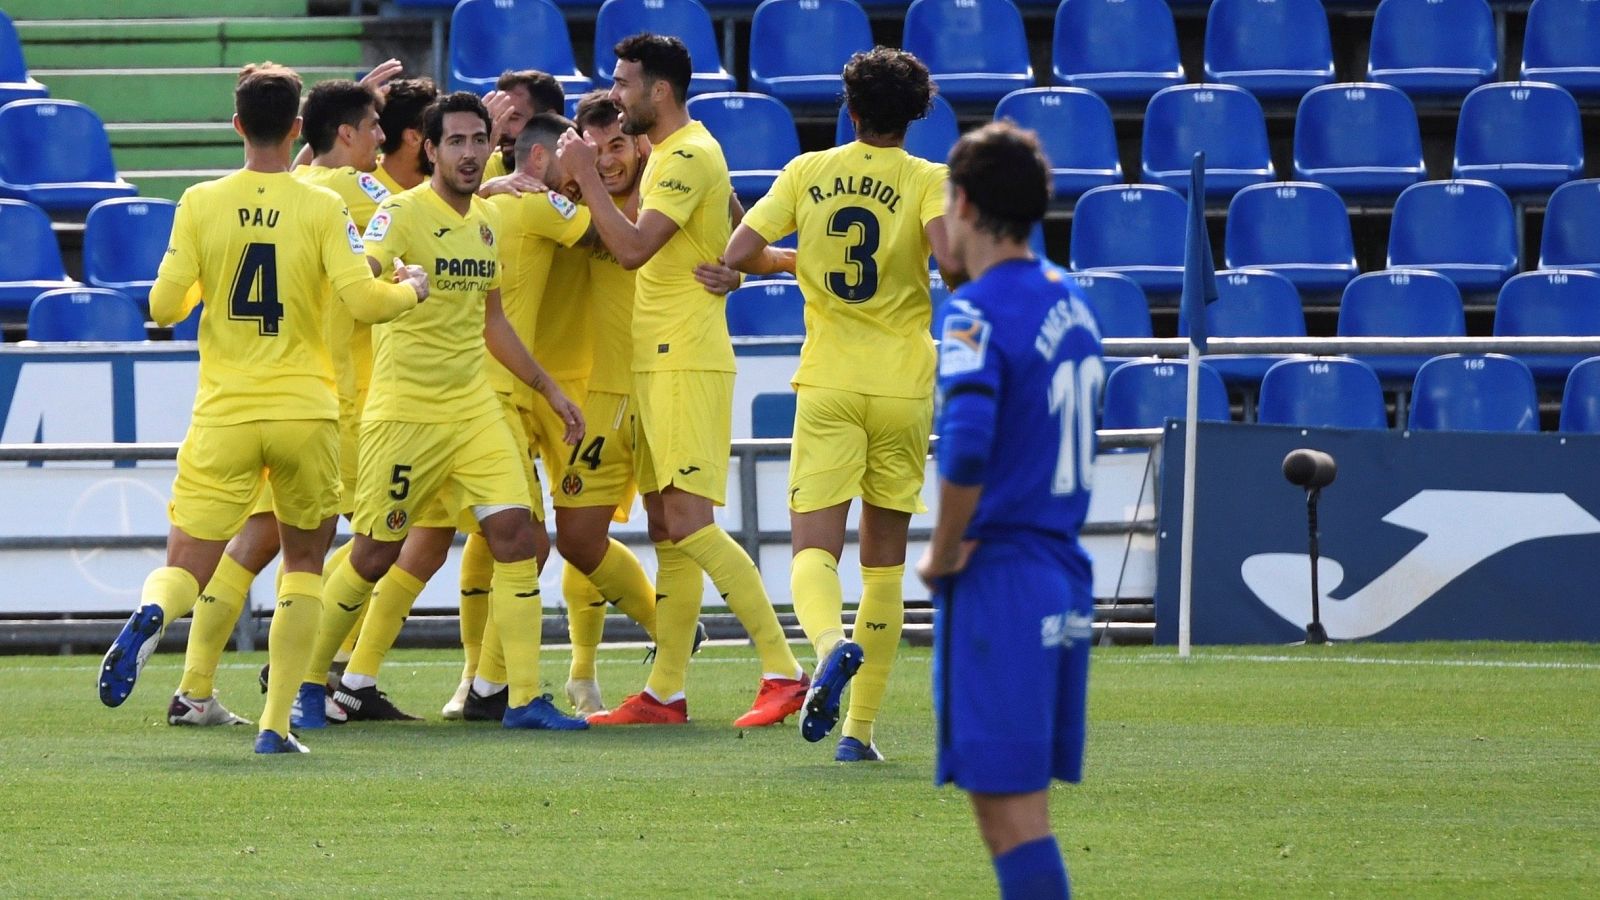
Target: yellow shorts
599,471
546,430
349,443
849,445
220,469
406,466
443,512
683,431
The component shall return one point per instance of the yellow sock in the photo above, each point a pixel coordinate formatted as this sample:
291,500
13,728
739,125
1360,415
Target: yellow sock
519,615
173,589
678,586
818,599
290,643
477,572
214,618
353,635
879,619
586,620
739,583
386,615
335,560
622,581
492,663
345,593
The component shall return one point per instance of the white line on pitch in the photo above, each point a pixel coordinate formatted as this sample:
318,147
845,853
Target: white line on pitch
1144,659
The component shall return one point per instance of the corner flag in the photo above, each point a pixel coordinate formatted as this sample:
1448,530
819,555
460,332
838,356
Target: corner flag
1199,272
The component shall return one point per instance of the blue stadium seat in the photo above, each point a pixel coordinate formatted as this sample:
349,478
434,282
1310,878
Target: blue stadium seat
1224,121
488,37
685,20
757,135
1463,229
189,328
1250,303
1474,392
1549,302
1271,48
1297,229
123,241
1401,303
772,415
1120,49
938,292
1134,230
1118,302
1562,45
1433,46
929,137
1075,128
15,82
1522,135
1580,401
85,314
768,308
33,166
789,62
1144,393
1359,139
976,49
1322,392
31,261
1572,227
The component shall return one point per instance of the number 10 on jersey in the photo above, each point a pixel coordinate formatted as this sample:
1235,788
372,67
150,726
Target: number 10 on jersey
1074,397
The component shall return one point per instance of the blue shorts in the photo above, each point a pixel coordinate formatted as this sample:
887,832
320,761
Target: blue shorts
1011,637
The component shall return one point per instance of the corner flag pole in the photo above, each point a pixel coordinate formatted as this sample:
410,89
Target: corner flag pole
1199,289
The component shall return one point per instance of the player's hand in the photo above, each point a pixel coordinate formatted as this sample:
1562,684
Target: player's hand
378,79
498,103
577,154
516,184
568,412
933,568
416,276
717,277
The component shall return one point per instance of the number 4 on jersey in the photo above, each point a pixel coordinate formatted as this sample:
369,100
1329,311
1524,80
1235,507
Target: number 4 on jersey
255,289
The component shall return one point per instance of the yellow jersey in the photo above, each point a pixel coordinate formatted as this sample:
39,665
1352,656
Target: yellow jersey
611,311
862,263
428,364
563,337
496,166
387,180
268,244
534,230
677,323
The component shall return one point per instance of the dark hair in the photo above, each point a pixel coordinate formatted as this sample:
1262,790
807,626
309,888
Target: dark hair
407,100
887,89
544,129
267,100
330,105
659,56
1004,173
542,87
597,109
458,102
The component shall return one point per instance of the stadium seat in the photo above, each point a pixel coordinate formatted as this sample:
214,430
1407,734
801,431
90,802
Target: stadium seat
1271,48
929,137
1401,303
1120,49
1463,229
31,263
1433,46
488,37
1359,139
1297,229
1075,128
790,63
1224,121
1118,302
1580,401
975,49
37,165
1552,302
15,82
772,415
1474,392
1145,393
85,314
685,20
1134,230
938,292
123,241
768,308
1572,227
1250,303
1562,45
757,135
1524,136
1322,392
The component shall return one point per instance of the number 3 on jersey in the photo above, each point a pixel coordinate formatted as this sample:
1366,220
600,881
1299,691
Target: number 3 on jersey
863,225
1074,396
255,289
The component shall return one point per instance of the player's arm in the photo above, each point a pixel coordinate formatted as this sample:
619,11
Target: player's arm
750,253
373,300
749,248
949,268
631,243
504,345
171,299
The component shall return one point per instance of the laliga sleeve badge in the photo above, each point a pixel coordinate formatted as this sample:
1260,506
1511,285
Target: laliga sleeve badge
565,207
964,344
356,246
372,187
378,228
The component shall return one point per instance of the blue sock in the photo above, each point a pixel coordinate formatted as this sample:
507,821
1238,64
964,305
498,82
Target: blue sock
1033,870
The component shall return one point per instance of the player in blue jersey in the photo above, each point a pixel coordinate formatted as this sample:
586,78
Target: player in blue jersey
1020,375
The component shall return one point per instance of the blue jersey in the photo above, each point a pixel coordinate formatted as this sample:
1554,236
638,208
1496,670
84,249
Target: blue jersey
1020,370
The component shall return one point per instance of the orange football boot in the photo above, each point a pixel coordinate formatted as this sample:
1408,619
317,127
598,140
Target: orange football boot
644,709
779,698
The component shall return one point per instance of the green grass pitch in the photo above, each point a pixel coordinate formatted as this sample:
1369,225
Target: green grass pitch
1441,770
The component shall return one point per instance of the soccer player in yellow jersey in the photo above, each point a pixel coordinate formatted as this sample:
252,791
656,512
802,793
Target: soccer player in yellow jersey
517,97
266,399
683,380
868,214
432,426
403,165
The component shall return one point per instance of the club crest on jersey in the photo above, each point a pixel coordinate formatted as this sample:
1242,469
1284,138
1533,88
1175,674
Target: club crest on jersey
356,246
372,187
486,235
572,484
565,207
378,227
396,519
964,344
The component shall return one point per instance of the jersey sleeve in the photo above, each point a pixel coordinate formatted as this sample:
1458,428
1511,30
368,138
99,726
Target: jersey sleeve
970,378
679,185
773,216
384,238
932,205
344,256
181,263
365,199
552,215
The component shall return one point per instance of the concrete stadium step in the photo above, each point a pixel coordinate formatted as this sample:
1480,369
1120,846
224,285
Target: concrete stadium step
171,43
170,183
147,9
161,95
189,145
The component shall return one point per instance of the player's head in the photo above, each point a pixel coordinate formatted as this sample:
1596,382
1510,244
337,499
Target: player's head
886,90
457,132
266,104
619,159
402,118
531,92
536,152
999,186
652,75
343,114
